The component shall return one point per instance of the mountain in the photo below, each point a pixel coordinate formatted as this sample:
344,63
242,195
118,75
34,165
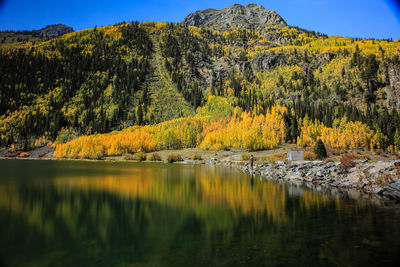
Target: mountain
110,78
53,31
48,32
250,16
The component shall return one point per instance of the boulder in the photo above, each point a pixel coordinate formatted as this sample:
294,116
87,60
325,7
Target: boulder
392,191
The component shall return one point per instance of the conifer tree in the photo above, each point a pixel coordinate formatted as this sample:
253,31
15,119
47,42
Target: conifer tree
320,150
396,140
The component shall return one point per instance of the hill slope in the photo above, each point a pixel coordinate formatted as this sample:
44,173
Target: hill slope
109,78
48,32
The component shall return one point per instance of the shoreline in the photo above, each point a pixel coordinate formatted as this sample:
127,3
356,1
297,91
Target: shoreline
380,179
365,178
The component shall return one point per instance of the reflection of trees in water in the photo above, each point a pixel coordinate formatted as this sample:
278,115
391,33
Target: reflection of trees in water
177,217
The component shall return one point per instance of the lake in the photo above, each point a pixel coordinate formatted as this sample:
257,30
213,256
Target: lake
71,213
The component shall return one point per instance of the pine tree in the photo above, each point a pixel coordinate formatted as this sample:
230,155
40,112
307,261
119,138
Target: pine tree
320,150
396,140
139,115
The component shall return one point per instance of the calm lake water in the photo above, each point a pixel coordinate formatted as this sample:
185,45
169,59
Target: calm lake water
66,213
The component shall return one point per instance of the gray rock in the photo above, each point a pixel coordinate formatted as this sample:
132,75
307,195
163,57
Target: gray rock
392,191
322,60
53,31
376,189
294,176
249,16
364,182
268,61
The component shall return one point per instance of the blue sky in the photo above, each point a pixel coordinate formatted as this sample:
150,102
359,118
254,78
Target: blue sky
354,18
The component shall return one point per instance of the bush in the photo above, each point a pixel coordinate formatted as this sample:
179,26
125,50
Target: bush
140,156
196,157
277,156
74,156
173,157
24,155
380,152
94,156
154,157
245,156
347,161
128,156
320,150
309,155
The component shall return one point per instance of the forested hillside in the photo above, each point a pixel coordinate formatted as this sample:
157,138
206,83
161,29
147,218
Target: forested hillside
110,78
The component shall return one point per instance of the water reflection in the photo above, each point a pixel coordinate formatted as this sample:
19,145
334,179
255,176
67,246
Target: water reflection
176,215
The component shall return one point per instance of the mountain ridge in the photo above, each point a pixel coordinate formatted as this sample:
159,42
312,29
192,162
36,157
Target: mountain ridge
248,16
43,34
54,30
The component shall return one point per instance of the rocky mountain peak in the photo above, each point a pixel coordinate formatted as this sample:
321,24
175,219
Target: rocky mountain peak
236,15
53,31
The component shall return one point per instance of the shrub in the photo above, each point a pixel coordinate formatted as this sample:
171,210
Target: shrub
74,156
196,157
173,157
24,154
140,156
347,161
320,150
94,156
277,156
380,152
154,157
245,156
309,155
128,156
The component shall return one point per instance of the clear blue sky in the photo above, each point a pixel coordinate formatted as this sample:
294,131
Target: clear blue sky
354,18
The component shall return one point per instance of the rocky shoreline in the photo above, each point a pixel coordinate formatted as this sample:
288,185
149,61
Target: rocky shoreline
380,179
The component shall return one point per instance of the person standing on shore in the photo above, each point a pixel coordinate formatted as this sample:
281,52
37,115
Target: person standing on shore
251,163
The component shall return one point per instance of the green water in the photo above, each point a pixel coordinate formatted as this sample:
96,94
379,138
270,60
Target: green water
55,213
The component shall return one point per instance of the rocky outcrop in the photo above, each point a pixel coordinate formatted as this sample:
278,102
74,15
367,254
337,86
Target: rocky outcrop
392,191
377,178
249,16
322,60
268,61
393,88
53,31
